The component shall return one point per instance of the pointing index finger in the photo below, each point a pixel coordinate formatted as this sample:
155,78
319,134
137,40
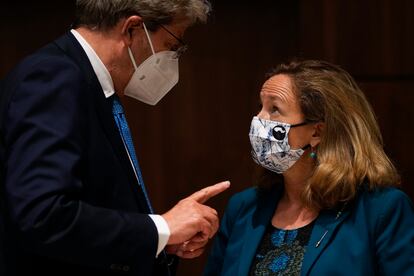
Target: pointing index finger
205,194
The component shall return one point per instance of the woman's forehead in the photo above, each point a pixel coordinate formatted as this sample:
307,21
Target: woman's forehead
278,86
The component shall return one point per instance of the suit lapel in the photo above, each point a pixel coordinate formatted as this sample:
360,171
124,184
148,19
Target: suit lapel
256,227
70,45
323,230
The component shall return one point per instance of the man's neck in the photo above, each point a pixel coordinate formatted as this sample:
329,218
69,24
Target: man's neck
108,48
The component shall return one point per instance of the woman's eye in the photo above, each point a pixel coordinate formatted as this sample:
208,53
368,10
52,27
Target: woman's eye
273,109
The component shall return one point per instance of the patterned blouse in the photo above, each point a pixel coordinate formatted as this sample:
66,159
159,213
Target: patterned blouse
281,252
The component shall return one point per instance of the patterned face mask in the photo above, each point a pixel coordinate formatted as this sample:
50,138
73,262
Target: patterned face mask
270,145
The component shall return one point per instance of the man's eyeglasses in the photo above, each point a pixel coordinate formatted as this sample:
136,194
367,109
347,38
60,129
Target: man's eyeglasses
183,46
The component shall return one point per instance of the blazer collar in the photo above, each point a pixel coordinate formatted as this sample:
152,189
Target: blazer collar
103,107
324,227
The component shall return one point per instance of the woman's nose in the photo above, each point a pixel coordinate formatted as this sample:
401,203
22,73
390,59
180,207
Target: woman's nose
263,114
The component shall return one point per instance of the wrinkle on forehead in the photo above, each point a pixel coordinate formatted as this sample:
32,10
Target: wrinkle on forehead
279,86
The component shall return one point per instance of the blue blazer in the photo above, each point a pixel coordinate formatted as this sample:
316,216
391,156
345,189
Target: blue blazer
372,236
70,202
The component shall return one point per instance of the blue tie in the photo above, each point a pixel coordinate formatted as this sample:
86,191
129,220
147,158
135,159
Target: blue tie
123,128
119,116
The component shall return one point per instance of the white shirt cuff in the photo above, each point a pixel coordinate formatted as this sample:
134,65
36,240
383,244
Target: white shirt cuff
163,231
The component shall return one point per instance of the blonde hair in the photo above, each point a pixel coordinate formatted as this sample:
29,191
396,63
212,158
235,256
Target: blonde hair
350,153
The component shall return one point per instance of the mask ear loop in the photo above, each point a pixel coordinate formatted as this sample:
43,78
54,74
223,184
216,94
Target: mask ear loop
312,154
149,39
131,56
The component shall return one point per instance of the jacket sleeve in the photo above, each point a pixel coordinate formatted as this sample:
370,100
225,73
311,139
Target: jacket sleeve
44,129
217,254
395,236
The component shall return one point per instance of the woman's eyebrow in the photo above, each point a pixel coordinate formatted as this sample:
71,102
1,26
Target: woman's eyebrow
274,96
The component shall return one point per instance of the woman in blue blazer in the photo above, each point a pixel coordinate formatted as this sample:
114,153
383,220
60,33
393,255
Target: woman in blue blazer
326,203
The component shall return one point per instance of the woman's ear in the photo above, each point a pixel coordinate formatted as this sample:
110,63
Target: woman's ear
317,132
129,26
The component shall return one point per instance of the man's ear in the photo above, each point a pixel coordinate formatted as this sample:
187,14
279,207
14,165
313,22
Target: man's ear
317,132
129,26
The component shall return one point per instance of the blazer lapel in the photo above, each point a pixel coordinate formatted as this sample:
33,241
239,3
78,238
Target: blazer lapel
256,227
323,230
70,45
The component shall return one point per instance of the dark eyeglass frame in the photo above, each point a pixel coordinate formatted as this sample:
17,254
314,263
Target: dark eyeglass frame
183,46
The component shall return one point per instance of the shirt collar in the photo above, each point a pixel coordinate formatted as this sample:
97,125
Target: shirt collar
99,68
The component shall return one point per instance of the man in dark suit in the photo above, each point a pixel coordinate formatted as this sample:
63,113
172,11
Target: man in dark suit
72,197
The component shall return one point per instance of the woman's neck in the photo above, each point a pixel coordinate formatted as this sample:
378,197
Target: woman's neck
295,179
291,212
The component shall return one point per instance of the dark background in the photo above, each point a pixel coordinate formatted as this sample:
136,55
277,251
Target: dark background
198,134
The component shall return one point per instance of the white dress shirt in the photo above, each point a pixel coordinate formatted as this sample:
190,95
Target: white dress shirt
107,85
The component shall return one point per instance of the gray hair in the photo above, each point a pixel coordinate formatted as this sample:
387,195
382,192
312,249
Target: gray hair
105,14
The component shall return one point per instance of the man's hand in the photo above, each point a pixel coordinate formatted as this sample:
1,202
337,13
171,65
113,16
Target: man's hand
189,249
191,220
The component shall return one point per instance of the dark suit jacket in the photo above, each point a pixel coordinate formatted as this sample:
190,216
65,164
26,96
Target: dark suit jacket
372,236
70,200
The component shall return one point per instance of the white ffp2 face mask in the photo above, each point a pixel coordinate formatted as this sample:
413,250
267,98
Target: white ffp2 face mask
270,145
153,78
